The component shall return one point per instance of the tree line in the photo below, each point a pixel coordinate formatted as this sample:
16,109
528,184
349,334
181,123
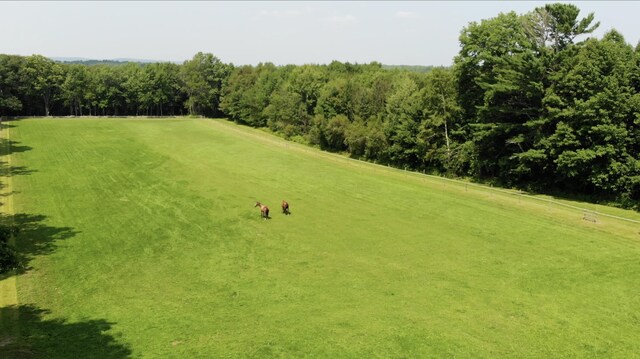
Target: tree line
38,86
530,102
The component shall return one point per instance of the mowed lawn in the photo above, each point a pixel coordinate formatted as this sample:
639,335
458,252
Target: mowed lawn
144,242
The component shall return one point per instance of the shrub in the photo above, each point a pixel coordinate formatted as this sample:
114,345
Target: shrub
8,255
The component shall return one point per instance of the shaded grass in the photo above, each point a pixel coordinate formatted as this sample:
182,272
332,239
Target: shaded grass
161,239
56,338
23,331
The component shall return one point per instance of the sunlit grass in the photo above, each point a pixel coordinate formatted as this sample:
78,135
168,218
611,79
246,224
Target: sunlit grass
151,226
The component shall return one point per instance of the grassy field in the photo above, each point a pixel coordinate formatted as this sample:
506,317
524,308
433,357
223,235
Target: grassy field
142,240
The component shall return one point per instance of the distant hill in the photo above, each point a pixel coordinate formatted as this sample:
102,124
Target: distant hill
90,62
410,68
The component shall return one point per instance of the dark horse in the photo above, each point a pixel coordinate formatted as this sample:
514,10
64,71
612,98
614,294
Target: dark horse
264,210
285,207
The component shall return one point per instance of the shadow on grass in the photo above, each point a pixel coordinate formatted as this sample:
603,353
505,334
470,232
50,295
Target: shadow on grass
7,194
34,237
25,333
4,123
6,170
8,147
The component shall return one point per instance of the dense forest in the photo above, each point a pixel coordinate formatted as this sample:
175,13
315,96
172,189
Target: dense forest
38,86
530,102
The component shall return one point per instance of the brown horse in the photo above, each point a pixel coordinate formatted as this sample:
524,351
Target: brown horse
285,207
264,210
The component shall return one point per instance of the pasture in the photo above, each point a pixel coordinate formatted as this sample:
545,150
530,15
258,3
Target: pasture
142,240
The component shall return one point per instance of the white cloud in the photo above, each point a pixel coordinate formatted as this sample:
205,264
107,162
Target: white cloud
406,15
342,19
281,14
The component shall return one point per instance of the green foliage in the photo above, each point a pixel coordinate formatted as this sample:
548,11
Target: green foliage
442,128
547,112
75,89
160,88
8,255
203,78
402,118
286,111
500,81
563,25
11,85
592,147
409,68
234,98
335,132
356,138
8,258
247,93
334,98
43,77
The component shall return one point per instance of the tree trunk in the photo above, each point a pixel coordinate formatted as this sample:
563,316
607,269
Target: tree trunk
446,129
46,105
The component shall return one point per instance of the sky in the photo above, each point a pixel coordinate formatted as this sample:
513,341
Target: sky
281,32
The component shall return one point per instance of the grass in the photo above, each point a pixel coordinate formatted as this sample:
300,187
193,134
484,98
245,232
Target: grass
142,241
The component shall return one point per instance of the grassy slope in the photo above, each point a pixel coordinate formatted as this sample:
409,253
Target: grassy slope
167,248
